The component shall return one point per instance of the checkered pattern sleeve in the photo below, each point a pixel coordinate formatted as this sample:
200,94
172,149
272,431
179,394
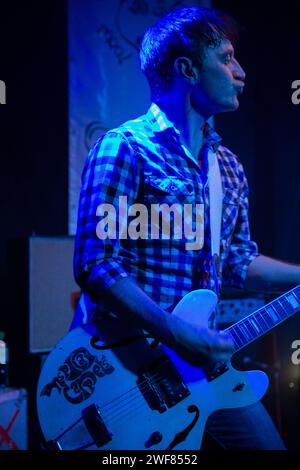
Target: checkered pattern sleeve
110,172
242,250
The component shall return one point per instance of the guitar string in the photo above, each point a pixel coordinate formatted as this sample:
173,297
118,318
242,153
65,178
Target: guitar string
134,390
141,388
239,333
255,315
261,316
126,413
123,400
115,412
125,405
120,408
229,330
119,403
137,389
239,337
129,414
111,422
131,406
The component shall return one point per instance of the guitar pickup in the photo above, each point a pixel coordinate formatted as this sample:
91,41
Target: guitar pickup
162,386
214,369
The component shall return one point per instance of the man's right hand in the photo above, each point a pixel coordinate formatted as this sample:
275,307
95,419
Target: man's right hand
198,344
195,344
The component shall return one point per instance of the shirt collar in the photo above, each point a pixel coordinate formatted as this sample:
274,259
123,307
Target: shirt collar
211,137
160,122
158,119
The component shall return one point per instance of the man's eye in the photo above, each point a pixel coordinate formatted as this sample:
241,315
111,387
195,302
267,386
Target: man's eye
227,58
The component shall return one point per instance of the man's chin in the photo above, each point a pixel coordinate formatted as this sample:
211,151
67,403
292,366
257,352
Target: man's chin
232,106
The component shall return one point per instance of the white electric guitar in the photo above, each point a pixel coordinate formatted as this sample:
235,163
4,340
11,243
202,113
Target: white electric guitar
111,388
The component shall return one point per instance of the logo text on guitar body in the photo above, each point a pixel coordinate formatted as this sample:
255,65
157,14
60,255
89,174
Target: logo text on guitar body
78,375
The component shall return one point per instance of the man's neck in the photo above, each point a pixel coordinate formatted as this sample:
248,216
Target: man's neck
188,122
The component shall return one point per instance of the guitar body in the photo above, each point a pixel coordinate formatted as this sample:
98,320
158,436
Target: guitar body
97,391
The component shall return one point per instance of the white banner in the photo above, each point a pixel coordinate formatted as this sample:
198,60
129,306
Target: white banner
106,86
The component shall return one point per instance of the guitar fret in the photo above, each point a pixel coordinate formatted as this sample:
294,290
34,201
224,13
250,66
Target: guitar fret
235,336
296,292
236,346
281,304
262,323
287,306
272,313
244,330
264,319
267,318
280,310
251,328
255,324
241,334
293,300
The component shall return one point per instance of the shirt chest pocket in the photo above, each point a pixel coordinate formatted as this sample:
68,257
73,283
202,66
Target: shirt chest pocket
168,190
170,203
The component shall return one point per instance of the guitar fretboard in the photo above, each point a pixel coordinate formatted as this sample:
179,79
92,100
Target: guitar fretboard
263,320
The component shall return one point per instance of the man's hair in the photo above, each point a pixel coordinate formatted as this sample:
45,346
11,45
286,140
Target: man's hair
182,32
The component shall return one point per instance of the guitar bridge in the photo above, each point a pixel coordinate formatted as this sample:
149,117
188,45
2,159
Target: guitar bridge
161,385
89,429
95,425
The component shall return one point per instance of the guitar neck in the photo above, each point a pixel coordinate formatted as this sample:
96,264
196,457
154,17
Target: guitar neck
263,320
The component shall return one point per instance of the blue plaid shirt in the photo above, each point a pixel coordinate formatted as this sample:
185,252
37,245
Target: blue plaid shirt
145,160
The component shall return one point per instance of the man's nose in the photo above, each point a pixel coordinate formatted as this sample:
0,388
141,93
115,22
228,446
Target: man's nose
238,72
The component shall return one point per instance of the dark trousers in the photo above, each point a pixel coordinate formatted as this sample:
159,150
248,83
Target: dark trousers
250,427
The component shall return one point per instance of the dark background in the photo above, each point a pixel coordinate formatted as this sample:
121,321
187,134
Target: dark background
34,163
264,132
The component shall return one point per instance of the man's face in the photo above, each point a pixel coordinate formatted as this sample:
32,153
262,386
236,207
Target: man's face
221,80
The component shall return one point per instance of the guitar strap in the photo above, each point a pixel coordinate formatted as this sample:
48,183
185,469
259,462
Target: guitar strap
215,217
215,207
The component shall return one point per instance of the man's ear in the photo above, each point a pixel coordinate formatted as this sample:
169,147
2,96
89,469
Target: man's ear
185,69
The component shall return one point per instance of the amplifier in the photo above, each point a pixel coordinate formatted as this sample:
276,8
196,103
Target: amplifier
52,291
233,310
